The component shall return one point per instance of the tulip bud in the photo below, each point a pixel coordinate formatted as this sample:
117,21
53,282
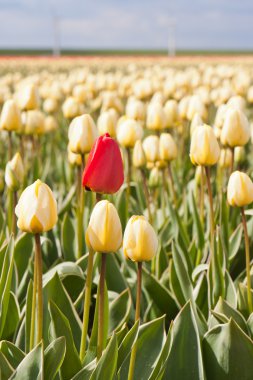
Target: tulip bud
51,124
10,117
50,105
196,106
154,177
236,129
204,148
28,98
104,171
80,93
151,148
36,209
14,173
82,134
73,158
225,158
167,147
240,189
237,102
139,158
128,132
171,112
140,241
107,122
72,108
104,232
34,122
196,122
135,109
156,117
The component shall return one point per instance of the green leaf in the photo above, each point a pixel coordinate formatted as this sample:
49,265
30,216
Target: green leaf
23,253
159,294
235,242
107,364
160,365
119,311
115,280
182,274
223,308
54,356
61,327
185,357
228,353
55,291
6,369
12,317
31,366
68,240
5,283
149,345
12,353
127,343
28,315
66,204
197,222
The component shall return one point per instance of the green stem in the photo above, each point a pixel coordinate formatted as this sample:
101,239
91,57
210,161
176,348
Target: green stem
86,309
14,220
128,191
247,255
137,317
100,345
212,225
147,195
80,209
33,303
39,288
201,200
9,146
232,160
173,192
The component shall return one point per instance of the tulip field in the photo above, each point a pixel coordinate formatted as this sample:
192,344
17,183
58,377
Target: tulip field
126,218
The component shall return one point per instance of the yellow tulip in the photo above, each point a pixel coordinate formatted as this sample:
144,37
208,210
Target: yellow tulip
107,122
82,134
236,128
139,158
36,209
156,117
204,148
14,173
128,132
151,148
34,122
240,189
10,117
72,108
50,105
28,97
171,112
167,147
104,232
140,241
225,158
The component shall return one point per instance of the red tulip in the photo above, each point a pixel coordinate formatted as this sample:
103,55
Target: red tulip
104,172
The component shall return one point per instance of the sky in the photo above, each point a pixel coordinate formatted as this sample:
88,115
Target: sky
129,24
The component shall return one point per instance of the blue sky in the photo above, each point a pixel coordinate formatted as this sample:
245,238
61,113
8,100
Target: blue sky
200,24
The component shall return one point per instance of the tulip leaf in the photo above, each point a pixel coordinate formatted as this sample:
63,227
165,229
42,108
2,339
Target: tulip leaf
68,238
6,369
107,365
12,353
61,327
222,347
159,294
151,339
54,356
183,363
197,222
23,253
28,315
12,317
31,366
55,291
114,278
127,344
235,242
5,283
119,311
